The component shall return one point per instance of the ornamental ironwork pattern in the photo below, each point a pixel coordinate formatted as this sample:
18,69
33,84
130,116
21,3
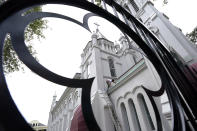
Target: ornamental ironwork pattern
181,92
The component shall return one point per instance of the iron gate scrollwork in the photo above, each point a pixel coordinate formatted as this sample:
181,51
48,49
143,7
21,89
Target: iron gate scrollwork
181,93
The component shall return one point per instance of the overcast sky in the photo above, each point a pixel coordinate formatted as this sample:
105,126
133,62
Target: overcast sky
60,52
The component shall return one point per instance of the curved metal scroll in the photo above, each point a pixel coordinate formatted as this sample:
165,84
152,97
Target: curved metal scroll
172,77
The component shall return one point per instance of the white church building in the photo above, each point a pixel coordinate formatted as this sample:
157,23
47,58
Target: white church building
118,99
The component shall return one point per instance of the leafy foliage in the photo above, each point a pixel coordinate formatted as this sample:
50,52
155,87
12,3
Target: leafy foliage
11,62
192,36
36,27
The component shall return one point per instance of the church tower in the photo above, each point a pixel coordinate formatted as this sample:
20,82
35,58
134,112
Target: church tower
106,60
159,24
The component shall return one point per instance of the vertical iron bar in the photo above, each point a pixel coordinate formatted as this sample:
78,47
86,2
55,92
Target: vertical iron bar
116,14
105,7
185,106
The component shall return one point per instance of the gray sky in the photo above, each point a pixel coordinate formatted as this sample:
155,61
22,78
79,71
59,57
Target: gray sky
60,52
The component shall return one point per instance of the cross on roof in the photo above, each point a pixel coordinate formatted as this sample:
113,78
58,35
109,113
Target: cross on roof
97,25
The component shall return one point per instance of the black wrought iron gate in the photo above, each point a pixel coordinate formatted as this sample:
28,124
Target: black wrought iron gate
181,92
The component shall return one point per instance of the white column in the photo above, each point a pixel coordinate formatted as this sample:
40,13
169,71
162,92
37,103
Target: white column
65,122
61,125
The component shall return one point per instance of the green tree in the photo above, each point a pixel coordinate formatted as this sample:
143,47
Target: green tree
192,36
11,62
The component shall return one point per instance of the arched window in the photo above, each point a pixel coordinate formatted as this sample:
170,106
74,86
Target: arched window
145,111
65,123
87,70
134,115
136,8
60,125
75,97
112,67
125,117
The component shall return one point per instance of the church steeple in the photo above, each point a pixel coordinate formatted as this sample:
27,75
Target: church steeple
97,25
54,100
97,34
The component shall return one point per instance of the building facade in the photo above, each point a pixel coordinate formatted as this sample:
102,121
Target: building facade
121,73
37,126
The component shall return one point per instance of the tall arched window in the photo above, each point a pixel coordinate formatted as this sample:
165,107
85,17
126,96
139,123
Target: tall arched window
88,69
112,67
134,116
65,123
125,117
136,8
60,125
145,111
75,98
